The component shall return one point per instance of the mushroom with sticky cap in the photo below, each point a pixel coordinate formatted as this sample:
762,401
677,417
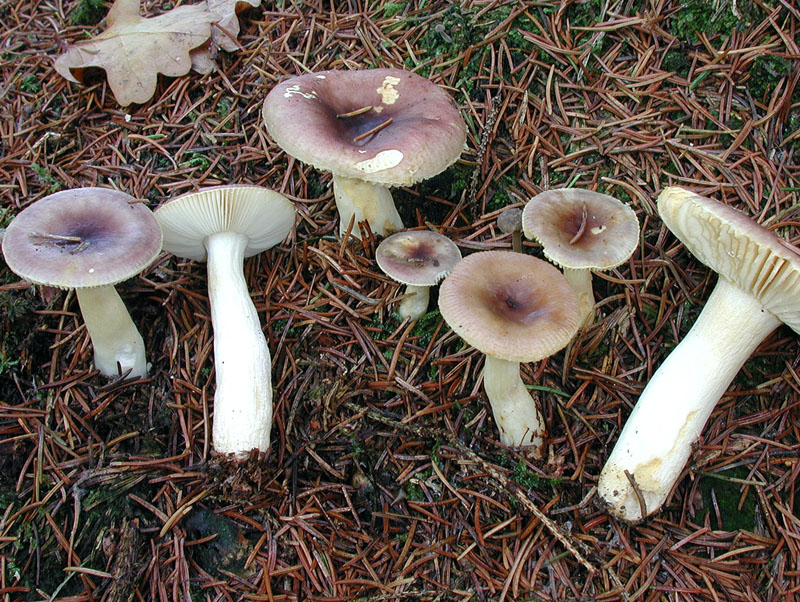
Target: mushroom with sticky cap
513,308
89,239
419,259
757,290
372,129
581,231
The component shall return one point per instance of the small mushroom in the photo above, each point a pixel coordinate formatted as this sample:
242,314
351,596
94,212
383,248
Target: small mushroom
89,239
372,129
510,222
419,259
757,290
513,308
581,231
222,225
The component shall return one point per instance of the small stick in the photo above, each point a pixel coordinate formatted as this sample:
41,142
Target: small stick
502,482
637,492
82,246
582,229
360,111
56,237
374,130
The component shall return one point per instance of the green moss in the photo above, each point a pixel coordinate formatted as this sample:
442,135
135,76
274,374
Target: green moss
698,16
31,84
765,74
524,476
426,326
52,183
87,12
726,487
390,9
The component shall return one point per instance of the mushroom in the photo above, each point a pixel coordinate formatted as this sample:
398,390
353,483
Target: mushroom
222,225
758,288
513,308
510,222
581,231
372,129
419,259
89,239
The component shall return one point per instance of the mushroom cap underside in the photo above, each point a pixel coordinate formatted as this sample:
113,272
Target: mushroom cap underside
324,119
509,305
417,257
738,249
581,229
264,216
82,237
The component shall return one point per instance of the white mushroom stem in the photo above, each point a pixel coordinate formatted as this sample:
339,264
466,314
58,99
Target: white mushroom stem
581,282
515,411
115,338
365,201
415,302
243,399
657,439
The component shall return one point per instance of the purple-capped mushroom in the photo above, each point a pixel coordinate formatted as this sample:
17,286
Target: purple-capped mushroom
89,239
372,129
419,259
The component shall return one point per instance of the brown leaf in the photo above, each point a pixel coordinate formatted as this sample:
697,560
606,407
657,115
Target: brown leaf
226,23
224,32
133,49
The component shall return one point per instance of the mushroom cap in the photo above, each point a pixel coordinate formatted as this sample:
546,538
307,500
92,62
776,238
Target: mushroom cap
510,220
509,305
417,257
610,233
262,215
738,249
82,237
426,134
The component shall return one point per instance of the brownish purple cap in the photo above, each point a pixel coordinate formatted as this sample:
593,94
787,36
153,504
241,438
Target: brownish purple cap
83,237
508,305
417,257
324,119
738,249
581,229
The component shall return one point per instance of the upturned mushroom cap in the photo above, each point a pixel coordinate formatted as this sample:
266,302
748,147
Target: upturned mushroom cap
424,135
509,305
581,229
262,215
417,257
738,249
82,237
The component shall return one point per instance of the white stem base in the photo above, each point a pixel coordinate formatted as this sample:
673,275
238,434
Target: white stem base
515,411
581,283
368,202
657,438
243,397
415,304
115,338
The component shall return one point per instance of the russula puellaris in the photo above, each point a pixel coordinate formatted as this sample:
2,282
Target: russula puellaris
89,239
758,289
221,226
513,308
372,129
419,259
581,231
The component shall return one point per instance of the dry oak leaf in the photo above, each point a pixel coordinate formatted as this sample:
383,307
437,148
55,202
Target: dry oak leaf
224,32
133,49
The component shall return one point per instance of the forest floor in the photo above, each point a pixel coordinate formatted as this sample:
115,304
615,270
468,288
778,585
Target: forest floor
386,479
